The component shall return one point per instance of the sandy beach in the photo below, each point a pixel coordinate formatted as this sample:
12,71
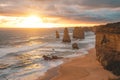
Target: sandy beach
80,68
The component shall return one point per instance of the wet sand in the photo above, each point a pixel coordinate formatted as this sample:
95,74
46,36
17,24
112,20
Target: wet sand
79,68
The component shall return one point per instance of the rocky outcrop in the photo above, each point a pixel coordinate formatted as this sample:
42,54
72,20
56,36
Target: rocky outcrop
78,33
108,46
75,46
66,37
52,57
57,34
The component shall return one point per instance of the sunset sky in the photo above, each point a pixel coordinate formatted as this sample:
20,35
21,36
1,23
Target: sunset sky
53,13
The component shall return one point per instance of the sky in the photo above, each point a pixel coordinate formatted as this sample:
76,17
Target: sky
60,12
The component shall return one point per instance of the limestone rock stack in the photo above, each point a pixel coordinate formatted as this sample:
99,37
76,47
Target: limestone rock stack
75,46
57,34
108,46
66,37
78,33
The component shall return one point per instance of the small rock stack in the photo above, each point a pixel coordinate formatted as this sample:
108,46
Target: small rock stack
75,46
57,34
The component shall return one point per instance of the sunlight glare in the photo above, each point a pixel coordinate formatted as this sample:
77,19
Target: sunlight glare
31,22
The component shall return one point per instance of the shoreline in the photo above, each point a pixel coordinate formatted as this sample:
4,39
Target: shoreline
79,68
51,73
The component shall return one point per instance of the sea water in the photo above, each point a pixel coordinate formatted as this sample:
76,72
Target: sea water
21,51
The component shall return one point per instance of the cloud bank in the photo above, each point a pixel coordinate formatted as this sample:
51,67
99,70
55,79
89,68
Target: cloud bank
83,10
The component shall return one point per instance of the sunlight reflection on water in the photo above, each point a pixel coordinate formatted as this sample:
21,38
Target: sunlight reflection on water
34,66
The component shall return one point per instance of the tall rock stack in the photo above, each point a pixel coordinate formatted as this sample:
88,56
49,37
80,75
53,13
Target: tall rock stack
108,46
57,34
66,37
78,33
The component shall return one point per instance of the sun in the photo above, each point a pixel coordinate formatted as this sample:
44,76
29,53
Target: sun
34,22
33,19
31,22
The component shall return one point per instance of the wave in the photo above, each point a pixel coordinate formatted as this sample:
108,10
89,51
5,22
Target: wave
13,50
18,41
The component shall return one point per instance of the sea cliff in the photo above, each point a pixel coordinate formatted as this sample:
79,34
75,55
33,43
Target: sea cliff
108,46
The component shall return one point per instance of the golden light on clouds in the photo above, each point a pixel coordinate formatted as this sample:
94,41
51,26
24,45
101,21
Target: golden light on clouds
57,13
34,21
31,21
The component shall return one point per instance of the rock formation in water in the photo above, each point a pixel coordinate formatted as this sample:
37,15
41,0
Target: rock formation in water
88,29
66,37
57,34
108,46
75,46
78,33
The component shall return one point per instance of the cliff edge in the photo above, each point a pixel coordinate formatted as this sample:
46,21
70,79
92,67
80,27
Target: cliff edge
108,46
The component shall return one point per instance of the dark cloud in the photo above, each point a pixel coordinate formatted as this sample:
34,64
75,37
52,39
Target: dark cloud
101,3
83,10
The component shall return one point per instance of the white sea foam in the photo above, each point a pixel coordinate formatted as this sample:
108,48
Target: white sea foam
5,51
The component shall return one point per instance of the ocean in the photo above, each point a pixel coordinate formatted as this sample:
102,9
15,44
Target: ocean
21,51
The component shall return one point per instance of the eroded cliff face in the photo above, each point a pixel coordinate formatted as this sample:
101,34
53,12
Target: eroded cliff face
108,46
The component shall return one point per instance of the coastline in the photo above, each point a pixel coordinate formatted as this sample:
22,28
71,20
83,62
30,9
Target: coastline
83,68
79,68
